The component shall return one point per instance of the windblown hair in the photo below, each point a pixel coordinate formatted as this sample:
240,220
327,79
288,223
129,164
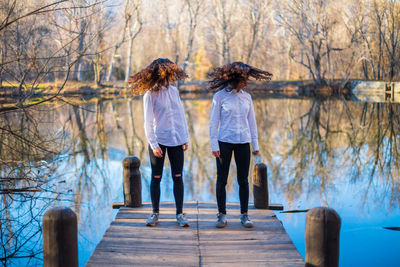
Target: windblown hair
160,73
235,76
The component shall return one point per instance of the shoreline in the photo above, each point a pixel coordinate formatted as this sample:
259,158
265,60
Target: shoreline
119,88
195,89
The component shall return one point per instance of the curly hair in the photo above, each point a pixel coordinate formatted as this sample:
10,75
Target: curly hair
160,73
235,76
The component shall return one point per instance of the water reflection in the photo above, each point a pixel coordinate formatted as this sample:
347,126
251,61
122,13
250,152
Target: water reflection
321,139
28,159
319,152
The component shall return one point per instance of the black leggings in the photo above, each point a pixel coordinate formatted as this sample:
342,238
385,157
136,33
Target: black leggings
175,155
242,159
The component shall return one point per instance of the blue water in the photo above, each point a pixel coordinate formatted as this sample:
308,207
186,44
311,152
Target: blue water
306,168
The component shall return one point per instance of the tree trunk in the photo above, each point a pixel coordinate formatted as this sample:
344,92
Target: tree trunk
110,68
78,66
129,60
2,58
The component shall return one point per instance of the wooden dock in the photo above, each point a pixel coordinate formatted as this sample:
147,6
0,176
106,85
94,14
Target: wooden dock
128,242
375,91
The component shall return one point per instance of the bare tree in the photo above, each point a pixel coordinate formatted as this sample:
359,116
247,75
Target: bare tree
224,28
134,25
392,38
41,40
311,24
194,12
121,40
375,28
31,53
256,15
101,25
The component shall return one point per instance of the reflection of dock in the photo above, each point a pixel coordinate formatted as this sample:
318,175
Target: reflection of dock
129,242
367,91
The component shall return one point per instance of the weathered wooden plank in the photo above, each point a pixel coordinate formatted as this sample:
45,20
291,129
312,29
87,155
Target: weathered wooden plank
254,264
266,243
121,259
129,242
259,243
260,252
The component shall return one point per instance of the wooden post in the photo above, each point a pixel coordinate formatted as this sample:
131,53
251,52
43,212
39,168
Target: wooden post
322,237
387,91
132,182
60,238
392,88
260,186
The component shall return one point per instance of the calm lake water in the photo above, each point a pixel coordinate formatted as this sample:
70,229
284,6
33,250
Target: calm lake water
319,152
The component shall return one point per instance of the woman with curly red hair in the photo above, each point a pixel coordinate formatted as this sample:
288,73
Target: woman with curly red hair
165,128
232,127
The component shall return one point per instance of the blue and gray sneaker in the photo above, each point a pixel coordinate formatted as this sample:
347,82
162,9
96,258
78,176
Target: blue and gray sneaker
244,219
152,220
221,221
182,220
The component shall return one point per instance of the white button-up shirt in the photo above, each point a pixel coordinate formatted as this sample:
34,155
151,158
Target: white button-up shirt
164,118
233,112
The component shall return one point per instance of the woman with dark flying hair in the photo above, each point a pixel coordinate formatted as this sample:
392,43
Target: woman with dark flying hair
165,128
232,128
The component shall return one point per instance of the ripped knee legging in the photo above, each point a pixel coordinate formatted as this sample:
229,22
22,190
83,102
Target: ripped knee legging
176,157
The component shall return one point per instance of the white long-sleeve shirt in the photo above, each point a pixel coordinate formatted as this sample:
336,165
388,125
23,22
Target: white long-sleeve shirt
164,118
233,112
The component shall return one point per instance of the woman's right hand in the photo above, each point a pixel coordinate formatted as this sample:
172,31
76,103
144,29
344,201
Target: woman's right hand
157,152
216,154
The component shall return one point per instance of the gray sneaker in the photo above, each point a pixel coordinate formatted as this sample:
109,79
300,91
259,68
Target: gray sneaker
221,221
152,220
182,220
244,219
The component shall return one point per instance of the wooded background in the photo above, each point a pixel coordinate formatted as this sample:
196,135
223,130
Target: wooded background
103,41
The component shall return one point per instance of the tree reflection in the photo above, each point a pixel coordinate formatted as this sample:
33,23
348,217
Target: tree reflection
321,139
59,155
28,160
71,155
378,134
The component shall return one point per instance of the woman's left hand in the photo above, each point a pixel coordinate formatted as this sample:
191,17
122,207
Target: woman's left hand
185,146
255,152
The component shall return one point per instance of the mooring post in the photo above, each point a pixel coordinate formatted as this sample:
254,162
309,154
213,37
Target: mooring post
260,186
260,189
132,182
322,237
60,238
